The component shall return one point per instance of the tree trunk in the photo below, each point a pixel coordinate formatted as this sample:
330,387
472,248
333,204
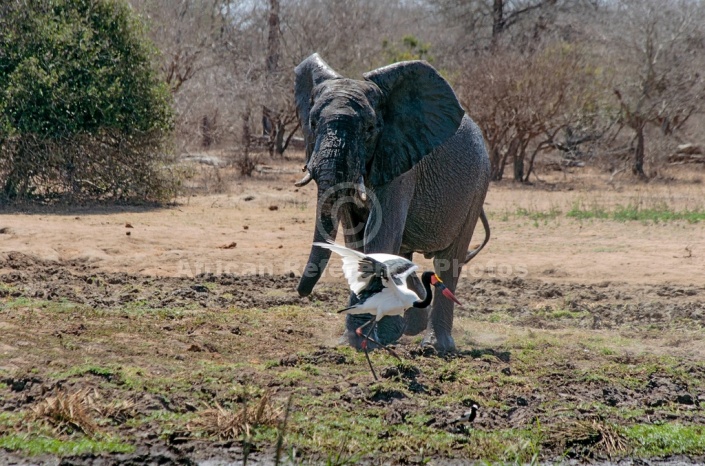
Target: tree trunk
497,18
519,167
495,164
271,115
273,39
279,138
208,130
288,138
519,159
638,168
246,164
272,139
246,131
513,151
532,158
502,164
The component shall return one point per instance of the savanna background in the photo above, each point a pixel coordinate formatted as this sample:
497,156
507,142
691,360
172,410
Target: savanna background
151,237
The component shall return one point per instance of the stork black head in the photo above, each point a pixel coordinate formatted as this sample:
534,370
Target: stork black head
428,279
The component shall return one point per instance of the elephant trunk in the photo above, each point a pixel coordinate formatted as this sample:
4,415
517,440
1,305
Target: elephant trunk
326,230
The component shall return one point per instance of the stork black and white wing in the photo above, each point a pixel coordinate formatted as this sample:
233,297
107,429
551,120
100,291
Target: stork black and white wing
398,269
357,267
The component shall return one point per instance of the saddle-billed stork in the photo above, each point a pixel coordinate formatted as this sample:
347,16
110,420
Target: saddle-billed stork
379,283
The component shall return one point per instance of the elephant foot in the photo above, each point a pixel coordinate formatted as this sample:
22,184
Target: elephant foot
442,344
387,331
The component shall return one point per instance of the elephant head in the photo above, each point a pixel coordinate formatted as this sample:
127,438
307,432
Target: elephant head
365,133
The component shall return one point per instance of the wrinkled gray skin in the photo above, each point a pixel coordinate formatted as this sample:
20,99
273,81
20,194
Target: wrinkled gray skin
402,132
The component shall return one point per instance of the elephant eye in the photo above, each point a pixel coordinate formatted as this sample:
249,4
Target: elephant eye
370,128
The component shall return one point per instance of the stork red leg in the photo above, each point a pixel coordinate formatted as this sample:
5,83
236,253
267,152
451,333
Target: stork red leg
391,351
366,337
358,332
364,343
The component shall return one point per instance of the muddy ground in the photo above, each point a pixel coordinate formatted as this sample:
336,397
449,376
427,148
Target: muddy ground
43,343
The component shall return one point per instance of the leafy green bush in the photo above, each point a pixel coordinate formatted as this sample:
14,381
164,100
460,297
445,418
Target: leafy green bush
83,113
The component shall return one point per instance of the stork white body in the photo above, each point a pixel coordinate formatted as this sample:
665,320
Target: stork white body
393,298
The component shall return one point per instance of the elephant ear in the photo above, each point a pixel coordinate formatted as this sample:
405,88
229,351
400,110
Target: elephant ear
309,73
420,112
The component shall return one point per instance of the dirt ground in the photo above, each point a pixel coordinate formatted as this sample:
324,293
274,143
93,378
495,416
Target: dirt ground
170,308
268,225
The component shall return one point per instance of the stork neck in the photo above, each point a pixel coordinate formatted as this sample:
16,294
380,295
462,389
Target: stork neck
426,280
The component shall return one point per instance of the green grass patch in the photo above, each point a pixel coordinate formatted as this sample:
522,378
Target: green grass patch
59,306
582,213
37,445
132,378
529,214
667,439
294,374
566,314
337,433
536,215
11,419
631,212
167,420
6,289
92,369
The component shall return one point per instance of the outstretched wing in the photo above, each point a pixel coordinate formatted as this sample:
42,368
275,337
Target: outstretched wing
358,268
396,268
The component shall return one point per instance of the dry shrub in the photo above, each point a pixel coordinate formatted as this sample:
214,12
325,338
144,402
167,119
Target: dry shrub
93,121
246,163
586,438
67,412
228,424
105,167
522,101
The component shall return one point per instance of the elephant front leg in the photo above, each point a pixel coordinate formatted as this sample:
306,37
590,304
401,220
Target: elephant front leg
440,323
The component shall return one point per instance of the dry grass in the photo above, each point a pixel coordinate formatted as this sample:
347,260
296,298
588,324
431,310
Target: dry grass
117,410
67,412
589,436
228,424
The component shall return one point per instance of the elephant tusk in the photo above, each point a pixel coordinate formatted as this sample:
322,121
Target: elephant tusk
304,181
361,189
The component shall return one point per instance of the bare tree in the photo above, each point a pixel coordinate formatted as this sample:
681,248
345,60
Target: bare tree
520,24
349,35
187,34
184,32
523,101
659,54
227,59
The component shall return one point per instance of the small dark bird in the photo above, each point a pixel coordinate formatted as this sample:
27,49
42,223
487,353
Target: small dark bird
461,425
379,282
467,416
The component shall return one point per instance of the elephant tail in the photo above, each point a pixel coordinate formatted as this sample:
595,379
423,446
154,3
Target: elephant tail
477,250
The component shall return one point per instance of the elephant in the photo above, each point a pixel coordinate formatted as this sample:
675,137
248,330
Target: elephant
403,168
